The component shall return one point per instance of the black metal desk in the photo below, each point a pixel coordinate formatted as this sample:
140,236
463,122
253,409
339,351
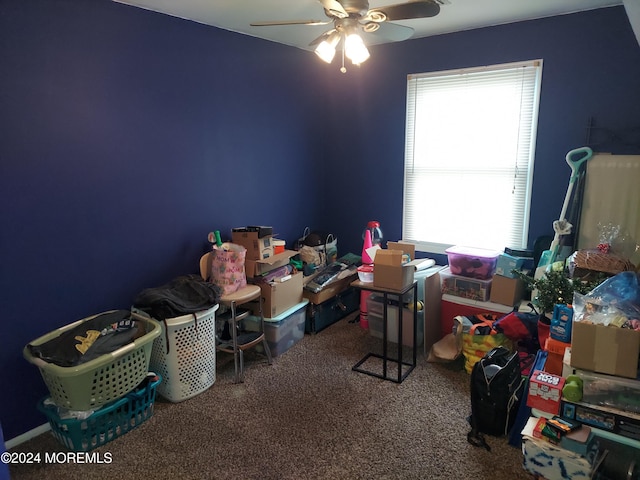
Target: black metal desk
359,367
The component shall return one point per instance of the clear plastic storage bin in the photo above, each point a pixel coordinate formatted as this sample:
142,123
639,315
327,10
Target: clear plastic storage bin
610,391
472,262
375,309
465,287
284,331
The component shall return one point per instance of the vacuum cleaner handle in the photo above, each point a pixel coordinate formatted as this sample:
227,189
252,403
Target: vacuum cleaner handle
576,164
549,256
575,170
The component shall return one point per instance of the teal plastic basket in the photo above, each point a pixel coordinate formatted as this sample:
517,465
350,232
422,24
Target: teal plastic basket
105,424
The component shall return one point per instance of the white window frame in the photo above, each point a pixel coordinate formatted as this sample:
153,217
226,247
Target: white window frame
439,174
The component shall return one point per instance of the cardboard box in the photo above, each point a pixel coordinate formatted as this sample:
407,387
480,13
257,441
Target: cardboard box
257,247
388,257
261,230
330,290
537,430
255,268
408,248
279,296
545,392
506,291
601,349
431,295
581,441
388,270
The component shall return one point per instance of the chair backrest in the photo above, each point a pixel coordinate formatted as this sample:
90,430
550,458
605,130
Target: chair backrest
205,266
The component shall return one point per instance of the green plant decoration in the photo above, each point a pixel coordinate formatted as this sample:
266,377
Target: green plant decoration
555,287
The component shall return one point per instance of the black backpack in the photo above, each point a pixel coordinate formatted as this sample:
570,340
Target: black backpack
497,388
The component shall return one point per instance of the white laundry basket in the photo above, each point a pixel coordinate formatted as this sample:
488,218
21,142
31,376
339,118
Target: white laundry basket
185,355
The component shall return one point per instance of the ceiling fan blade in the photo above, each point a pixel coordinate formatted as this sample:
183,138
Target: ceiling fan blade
322,37
335,8
393,32
290,22
408,10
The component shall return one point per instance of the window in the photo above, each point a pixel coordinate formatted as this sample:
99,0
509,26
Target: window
470,141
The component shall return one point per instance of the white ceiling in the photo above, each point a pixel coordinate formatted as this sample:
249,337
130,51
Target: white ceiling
455,15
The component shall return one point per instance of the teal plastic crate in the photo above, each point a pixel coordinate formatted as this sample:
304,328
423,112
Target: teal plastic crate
105,424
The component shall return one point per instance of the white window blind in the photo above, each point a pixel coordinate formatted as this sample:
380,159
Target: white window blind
470,141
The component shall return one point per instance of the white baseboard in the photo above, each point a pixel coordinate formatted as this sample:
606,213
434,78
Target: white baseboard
14,442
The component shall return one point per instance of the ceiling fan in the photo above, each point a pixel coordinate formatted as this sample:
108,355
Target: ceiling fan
349,17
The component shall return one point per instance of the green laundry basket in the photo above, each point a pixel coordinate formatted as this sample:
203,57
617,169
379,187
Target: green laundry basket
101,380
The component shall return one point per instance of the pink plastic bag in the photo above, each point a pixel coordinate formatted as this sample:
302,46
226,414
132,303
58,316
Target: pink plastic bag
227,267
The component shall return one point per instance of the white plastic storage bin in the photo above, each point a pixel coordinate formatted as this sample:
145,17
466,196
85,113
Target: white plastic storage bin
185,355
283,331
375,309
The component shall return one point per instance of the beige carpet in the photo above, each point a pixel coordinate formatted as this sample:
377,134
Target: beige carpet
307,416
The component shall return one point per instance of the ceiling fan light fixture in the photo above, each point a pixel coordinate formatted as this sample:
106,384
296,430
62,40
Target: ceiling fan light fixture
351,18
326,49
371,27
378,17
355,49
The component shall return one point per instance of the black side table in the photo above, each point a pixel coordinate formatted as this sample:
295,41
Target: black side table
359,367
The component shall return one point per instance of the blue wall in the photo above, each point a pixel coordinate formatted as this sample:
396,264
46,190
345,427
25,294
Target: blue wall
591,69
126,136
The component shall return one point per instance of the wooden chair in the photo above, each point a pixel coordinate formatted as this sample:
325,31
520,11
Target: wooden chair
240,340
